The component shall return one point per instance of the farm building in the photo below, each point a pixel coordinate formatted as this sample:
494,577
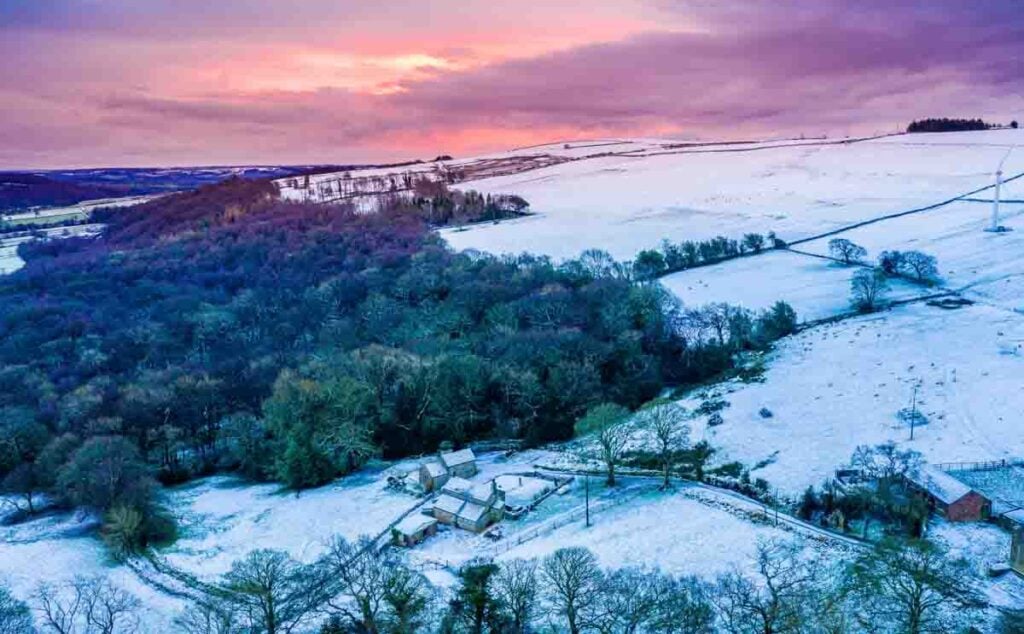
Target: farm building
468,506
433,475
461,463
1017,550
413,530
948,496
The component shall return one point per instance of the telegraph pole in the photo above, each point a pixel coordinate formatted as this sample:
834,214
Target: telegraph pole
587,489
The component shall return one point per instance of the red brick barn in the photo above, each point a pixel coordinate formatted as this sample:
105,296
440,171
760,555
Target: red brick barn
948,496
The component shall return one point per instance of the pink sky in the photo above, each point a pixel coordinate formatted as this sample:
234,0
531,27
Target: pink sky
177,82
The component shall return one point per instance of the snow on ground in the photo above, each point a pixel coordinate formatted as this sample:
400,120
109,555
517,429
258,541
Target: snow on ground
838,386
816,288
625,203
222,520
82,209
57,547
988,266
671,532
9,260
983,546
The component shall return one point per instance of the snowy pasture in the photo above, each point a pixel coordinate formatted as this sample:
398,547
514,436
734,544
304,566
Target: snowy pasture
222,519
627,202
814,287
56,548
691,531
986,266
837,386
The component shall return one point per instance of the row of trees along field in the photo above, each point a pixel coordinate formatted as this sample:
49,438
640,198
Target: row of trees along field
911,587
224,329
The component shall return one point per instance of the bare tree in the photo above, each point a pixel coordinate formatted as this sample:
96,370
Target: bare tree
208,617
867,288
684,608
915,586
666,422
363,573
923,267
515,586
630,598
274,593
885,463
87,605
572,586
779,600
609,423
848,252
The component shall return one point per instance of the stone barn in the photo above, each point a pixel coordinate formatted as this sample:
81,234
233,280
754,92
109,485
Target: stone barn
460,464
413,530
948,496
433,475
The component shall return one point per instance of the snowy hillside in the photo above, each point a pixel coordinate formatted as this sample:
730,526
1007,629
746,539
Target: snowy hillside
625,203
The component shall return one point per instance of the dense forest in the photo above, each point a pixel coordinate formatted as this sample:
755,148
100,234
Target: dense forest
224,329
948,125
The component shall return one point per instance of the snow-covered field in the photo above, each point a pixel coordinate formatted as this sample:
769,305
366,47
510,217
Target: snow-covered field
222,520
627,203
987,266
814,287
837,386
9,260
80,210
56,548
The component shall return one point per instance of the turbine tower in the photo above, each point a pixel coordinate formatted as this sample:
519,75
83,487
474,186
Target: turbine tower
995,227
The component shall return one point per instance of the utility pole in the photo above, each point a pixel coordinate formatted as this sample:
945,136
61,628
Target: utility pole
913,410
587,489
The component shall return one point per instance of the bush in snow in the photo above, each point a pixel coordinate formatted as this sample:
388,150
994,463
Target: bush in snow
765,412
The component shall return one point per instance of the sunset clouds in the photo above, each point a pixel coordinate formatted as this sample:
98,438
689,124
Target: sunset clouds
91,82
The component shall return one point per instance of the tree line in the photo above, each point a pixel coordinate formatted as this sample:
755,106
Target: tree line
945,124
906,586
673,257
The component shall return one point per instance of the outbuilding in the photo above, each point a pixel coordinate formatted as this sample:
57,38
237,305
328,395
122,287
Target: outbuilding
951,498
433,476
413,530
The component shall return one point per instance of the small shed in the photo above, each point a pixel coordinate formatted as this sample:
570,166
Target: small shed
461,463
413,530
946,495
433,476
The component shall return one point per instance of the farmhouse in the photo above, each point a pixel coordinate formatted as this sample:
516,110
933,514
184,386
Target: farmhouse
468,506
461,463
435,473
948,496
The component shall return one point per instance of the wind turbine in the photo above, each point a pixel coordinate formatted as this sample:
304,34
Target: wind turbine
996,228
